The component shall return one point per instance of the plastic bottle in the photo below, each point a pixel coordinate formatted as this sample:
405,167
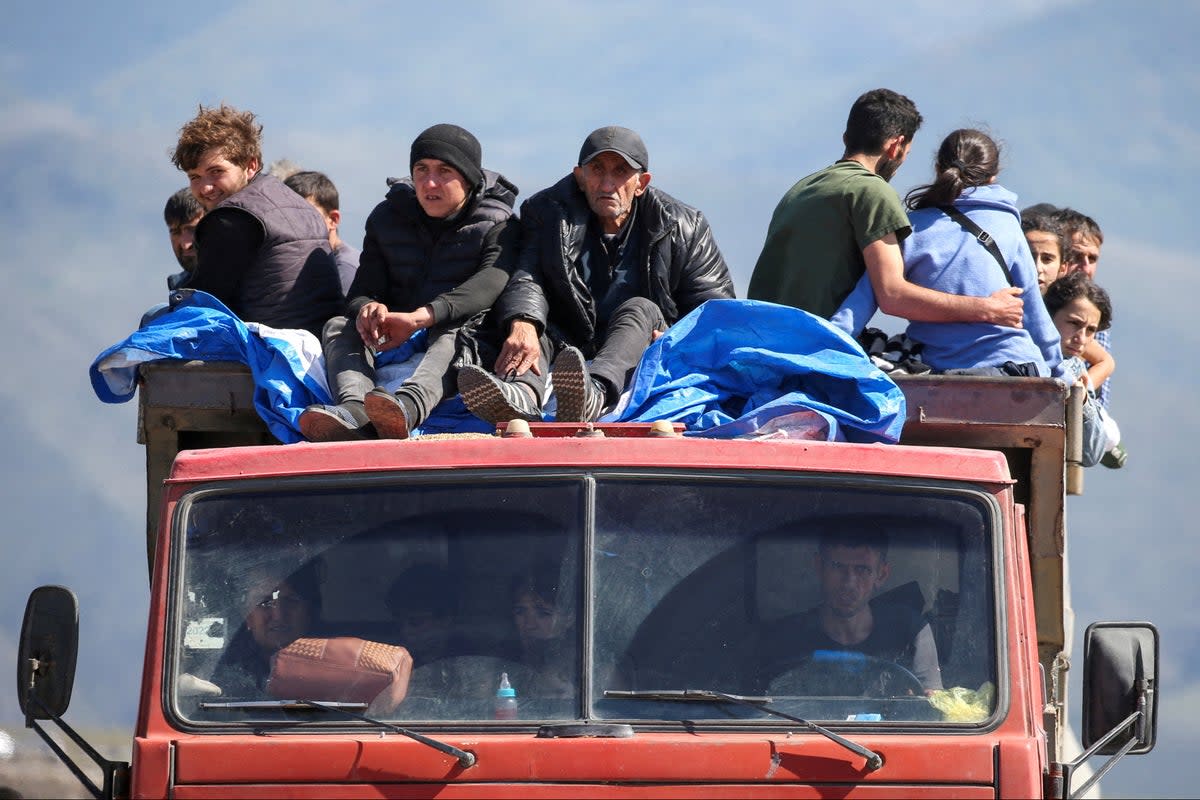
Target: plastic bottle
506,699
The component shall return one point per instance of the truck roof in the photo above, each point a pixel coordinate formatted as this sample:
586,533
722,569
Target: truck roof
609,451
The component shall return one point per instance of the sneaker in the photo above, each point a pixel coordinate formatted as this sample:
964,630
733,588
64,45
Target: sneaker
1115,458
580,397
332,424
494,400
387,414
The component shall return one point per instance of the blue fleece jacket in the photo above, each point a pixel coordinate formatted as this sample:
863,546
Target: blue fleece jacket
940,255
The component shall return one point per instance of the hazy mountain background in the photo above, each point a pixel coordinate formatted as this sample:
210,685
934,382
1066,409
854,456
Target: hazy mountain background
1096,104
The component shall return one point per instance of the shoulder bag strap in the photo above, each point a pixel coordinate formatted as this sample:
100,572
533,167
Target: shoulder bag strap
982,236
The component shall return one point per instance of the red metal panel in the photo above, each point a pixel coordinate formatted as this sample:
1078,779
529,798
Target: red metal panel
645,759
487,791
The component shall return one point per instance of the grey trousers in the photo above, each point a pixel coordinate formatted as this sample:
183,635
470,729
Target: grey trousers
350,368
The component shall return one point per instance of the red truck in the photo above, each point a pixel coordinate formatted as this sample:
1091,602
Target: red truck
606,610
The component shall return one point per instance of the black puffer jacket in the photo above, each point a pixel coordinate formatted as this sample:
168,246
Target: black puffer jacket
680,262
410,260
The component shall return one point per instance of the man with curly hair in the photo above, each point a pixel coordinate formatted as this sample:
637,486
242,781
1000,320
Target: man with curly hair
261,249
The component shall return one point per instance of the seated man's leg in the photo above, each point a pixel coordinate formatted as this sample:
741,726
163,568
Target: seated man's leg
395,415
495,400
583,394
350,370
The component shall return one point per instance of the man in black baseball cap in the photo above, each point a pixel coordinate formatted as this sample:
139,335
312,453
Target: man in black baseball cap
615,139
606,264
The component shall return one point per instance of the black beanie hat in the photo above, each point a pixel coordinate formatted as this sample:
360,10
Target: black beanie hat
454,145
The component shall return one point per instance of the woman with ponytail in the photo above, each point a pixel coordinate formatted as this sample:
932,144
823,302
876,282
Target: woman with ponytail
953,218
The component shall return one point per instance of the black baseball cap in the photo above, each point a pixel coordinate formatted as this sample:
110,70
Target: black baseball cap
615,139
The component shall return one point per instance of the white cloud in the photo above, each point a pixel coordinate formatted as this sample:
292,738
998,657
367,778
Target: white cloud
26,119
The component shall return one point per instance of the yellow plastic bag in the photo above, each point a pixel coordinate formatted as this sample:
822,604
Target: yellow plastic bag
960,704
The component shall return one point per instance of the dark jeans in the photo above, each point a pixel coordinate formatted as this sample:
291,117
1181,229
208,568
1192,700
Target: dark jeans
1009,369
630,331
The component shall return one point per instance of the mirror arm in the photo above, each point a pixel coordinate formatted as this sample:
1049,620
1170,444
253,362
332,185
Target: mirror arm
1137,718
116,773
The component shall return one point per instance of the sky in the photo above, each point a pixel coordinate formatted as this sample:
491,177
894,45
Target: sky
1094,103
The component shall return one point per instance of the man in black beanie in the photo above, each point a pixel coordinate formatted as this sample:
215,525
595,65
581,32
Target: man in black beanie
429,260
607,262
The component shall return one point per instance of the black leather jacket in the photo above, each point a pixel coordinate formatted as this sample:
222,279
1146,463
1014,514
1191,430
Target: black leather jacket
680,262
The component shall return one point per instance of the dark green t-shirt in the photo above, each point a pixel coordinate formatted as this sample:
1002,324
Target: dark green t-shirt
812,257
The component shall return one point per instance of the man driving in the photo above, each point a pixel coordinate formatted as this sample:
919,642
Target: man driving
852,631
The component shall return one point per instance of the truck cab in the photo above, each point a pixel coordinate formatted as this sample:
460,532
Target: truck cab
620,611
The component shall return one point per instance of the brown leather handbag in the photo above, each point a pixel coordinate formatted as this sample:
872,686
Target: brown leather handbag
342,669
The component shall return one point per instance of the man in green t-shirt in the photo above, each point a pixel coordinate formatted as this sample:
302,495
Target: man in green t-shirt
844,220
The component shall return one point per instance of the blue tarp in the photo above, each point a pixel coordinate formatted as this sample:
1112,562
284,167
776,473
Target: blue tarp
287,366
740,368
731,368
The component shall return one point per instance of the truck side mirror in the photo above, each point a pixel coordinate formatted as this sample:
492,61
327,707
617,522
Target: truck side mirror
46,654
1120,678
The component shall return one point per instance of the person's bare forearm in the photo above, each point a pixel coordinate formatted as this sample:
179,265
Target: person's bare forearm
897,296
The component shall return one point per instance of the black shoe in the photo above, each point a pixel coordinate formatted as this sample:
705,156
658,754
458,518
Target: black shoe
387,414
1115,458
580,397
494,400
332,424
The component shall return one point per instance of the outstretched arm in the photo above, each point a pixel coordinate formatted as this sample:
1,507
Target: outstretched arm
900,298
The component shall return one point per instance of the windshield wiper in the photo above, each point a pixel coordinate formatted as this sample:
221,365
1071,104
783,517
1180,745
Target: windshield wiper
288,704
874,760
465,759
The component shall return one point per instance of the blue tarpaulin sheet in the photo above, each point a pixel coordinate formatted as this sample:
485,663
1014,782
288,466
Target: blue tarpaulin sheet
286,365
744,368
731,368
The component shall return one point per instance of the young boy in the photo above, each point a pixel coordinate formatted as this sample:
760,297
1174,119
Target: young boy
430,259
317,189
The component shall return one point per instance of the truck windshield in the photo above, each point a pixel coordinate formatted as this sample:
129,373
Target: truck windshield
484,599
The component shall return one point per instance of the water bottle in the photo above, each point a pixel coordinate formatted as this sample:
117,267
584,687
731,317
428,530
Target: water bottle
506,699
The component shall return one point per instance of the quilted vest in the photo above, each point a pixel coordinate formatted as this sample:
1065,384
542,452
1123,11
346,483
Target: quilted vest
294,280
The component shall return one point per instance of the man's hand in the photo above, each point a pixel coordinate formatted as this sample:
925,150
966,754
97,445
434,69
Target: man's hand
1004,307
521,350
398,326
370,323
390,329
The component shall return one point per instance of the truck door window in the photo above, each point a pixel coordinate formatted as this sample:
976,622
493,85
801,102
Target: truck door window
838,603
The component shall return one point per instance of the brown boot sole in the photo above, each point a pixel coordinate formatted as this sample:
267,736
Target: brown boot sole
387,415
